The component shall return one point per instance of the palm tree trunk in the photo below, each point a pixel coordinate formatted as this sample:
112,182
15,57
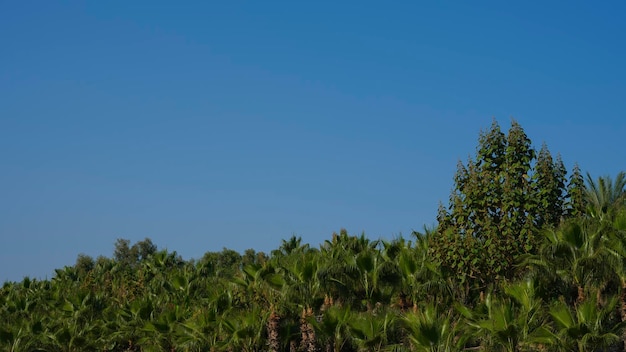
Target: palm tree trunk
623,313
307,332
272,332
580,296
403,303
329,346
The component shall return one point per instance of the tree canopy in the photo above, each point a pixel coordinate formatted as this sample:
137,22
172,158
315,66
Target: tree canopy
523,258
499,201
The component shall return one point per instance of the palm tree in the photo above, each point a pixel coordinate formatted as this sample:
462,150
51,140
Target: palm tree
587,327
292,293
348,266
605,196
243,330
618,247
78,329
431,331
274,291
23,306
126,323
577,254
371,331
333,329
422,276
288,247
160,331
515,322
200,331
377,278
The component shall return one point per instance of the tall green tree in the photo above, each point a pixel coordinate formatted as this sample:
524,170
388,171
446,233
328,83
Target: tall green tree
499,201
550,189
576,194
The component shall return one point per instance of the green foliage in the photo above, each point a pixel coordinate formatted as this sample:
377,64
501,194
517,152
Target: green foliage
352,294
605,196
225,263
430,330
586,327
549,189
370,332
515,321
84,264
499,201
576,194
333,328
130,256
515,264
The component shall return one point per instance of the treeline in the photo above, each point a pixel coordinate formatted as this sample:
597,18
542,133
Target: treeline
526,256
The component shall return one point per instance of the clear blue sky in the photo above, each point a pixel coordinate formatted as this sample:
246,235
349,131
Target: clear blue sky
217,124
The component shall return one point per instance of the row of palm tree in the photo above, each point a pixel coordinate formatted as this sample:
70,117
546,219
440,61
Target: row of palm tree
349,294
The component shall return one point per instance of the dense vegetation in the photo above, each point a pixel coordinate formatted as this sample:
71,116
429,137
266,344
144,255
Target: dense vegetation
523,258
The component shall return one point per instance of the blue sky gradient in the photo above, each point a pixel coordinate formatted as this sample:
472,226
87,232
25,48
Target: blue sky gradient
237,124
